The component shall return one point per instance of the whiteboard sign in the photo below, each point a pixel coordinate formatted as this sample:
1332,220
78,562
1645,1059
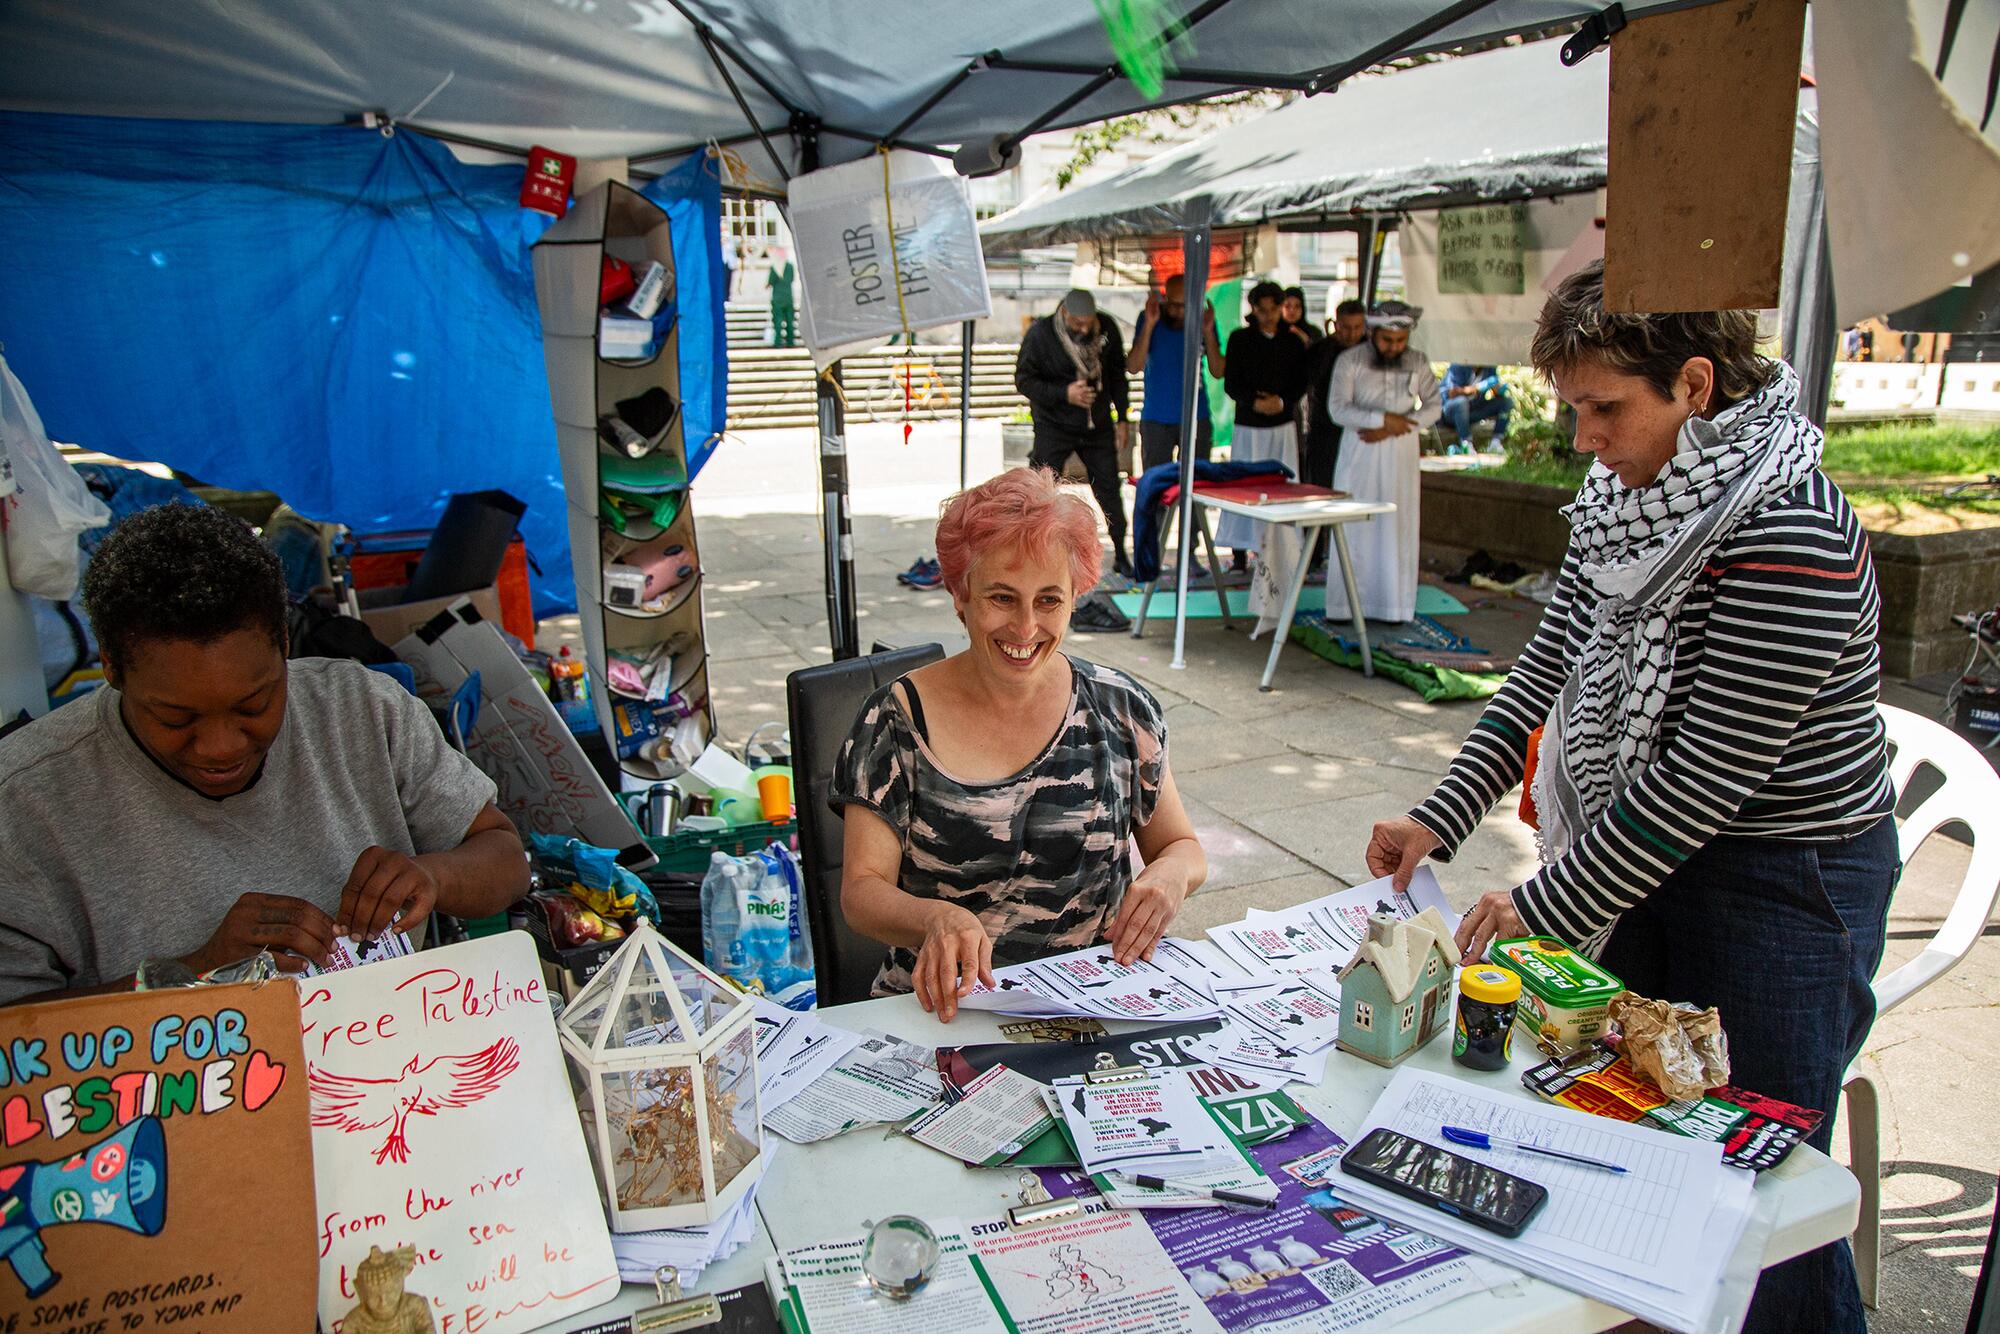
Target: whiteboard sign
1482,251
442,1119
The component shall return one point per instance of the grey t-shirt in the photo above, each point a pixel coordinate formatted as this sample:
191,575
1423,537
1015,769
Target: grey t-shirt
106,861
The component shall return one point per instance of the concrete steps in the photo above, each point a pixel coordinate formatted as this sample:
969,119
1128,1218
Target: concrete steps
773,386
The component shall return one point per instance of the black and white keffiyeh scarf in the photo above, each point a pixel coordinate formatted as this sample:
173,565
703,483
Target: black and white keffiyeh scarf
1086,353
1640,551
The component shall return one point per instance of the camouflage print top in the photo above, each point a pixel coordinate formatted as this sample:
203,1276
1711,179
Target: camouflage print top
1042,858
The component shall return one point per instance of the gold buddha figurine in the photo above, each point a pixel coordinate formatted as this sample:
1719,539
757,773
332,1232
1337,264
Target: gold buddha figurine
384,1307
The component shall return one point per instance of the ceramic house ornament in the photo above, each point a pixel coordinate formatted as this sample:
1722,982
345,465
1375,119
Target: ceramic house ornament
666,1054
1395,993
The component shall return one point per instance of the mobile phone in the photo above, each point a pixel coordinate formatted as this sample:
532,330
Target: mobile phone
1462,1187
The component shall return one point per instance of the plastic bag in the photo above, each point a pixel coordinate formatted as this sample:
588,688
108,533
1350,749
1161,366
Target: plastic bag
51,507
597,879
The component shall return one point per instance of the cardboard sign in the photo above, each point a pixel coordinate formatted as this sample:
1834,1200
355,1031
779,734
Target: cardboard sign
546,783
1687,227
1482,251
153,1163
442,1119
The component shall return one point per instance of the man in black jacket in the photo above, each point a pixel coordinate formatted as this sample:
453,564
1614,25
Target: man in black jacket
1071,369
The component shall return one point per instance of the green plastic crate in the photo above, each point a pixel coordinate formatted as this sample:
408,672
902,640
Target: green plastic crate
689,852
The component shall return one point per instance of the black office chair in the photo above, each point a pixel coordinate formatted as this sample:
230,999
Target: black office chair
823,703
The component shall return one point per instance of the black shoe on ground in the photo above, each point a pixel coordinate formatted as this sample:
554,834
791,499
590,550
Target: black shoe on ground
1097,614
1120,565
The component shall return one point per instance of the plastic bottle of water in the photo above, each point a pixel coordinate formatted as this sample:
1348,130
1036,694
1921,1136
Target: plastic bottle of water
721,919
765,904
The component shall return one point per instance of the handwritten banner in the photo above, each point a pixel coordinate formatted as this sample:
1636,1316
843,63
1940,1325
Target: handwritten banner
442,1119
1483,251
152,1152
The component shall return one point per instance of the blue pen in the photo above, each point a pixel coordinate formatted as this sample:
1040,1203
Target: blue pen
1479,1139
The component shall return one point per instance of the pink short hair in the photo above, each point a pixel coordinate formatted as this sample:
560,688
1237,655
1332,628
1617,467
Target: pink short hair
1021,510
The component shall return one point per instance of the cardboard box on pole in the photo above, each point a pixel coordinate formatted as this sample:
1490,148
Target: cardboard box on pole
547,784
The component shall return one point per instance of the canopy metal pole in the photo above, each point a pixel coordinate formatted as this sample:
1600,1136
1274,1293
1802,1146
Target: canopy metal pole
836,520
1371,260
1194,341
964,404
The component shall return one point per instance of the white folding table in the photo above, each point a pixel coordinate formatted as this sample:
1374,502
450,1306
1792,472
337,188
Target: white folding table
1306,513
825,1191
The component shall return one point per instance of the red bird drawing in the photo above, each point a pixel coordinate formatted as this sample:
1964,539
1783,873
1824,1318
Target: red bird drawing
357,1105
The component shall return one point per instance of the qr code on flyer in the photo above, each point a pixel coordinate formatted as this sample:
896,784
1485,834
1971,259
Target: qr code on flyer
1337,1280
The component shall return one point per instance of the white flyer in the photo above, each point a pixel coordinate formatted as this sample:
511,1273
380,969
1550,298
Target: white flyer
1105,1271
1304,1016
830,1294
1156,1124
882,1079
1001,1113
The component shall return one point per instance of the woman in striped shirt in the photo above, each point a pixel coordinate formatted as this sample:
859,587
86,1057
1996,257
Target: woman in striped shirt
1709,777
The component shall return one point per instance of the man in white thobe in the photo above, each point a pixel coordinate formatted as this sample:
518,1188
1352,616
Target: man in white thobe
1381,392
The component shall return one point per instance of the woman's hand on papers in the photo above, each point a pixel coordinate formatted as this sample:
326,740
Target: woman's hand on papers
1148,910
386,888
294,931
1492,918
956,954
1396,846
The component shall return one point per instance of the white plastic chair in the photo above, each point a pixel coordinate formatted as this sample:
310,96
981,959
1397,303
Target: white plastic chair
1969,795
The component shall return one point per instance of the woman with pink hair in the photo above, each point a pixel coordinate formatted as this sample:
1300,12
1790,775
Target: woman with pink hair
993,799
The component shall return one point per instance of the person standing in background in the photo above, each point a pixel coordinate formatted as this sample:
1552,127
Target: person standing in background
1322,447
1071,369
1322,439
1293,310
784,310
1382,393
1159,350
1265,373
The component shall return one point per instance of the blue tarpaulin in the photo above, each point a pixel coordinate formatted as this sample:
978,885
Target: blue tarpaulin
344,318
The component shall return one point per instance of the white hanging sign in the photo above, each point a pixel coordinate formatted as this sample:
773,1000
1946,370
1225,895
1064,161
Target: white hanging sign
884,251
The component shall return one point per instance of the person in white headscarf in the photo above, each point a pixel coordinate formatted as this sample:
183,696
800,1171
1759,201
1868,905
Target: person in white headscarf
1381,392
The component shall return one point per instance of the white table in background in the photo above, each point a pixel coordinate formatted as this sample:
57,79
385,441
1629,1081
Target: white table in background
1308,515
820,1192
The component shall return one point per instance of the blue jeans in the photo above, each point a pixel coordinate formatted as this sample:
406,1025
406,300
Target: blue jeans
1783,938
1462,412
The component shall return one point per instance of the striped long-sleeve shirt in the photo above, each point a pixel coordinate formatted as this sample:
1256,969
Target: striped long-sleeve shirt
1770,728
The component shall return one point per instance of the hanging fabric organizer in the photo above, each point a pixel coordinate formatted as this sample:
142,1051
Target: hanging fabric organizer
614,382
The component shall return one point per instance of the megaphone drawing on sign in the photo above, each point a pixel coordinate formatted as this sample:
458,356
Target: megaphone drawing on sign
120,1180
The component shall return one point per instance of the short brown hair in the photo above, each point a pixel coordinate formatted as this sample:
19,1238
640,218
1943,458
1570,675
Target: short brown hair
1575,327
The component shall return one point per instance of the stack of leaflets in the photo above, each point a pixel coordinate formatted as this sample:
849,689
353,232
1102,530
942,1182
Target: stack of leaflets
1090,983
1321,936
793,1050
882,1079
688,1249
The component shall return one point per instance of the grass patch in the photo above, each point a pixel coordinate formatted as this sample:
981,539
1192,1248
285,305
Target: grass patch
1909,453
1902,467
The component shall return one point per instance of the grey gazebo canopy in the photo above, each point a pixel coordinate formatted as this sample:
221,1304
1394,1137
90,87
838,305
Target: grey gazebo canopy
1506,124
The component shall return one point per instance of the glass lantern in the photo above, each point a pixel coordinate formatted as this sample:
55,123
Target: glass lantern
666,1053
